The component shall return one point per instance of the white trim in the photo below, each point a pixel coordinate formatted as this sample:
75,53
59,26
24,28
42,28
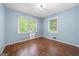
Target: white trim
3,48
45,37
19,26
49,25
20,41
63,42
41,36
36,24
28,25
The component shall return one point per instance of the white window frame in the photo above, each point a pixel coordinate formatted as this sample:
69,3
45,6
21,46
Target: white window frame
28,26
49,24
36,25
19,26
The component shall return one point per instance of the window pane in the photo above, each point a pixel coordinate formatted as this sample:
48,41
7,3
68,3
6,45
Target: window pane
23,24
53,25
32,25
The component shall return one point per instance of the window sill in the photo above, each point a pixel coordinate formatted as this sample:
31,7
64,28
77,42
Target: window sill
52,32
25,32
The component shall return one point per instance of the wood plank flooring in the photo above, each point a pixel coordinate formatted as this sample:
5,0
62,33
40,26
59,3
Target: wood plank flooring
41,47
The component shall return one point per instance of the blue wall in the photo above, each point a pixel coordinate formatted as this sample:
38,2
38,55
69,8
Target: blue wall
77,23
2,28
68,29
11,18
68,26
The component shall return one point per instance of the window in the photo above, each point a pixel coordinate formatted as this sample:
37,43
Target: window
52,25
26,25
32,25
23,24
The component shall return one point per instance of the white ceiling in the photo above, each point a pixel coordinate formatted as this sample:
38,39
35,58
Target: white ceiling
35,10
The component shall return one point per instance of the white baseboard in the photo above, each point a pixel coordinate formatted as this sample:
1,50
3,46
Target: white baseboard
2,49
45,37
21,41
63,42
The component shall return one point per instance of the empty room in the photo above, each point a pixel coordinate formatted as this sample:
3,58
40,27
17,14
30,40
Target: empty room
39,29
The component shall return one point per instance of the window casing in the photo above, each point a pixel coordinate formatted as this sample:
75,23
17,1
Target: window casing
53,25
26,25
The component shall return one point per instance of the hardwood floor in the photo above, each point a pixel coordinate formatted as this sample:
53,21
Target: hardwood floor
41,47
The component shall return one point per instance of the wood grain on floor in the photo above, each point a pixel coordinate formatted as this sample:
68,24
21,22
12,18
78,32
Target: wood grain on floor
41,47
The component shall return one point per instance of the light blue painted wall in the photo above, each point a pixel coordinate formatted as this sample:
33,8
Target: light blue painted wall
2,27
78,22
68,29
68,26
12,26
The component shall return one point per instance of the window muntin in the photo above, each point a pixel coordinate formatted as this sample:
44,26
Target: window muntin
32,25
26,25
52,25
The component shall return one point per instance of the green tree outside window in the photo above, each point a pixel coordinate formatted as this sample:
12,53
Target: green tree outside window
53,25
26,25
